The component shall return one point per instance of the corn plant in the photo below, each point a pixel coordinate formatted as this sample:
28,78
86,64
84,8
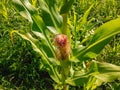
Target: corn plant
50,37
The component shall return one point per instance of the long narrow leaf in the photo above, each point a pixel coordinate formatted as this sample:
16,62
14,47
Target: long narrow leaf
22,10
101,37
99,72
47,61
43,47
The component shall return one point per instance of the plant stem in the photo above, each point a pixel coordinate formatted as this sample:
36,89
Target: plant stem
65,73
66,87
64,31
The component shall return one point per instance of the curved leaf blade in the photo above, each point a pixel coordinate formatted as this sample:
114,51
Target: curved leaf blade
102,36
98,72
22,10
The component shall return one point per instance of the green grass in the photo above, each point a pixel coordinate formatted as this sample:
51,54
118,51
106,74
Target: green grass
21,68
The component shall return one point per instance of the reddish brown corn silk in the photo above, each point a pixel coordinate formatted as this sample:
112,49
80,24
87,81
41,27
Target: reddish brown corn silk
62,46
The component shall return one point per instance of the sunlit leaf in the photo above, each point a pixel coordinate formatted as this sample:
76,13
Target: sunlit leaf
50,15
102,36
22,10
96,75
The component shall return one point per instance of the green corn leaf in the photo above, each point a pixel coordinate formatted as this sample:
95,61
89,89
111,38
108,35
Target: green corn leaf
30,13
50,14
38,24
66,6
22,10
33,41
54,74
78,80
102,36
42,49
32,10
42,44
103,72
39,35
97,74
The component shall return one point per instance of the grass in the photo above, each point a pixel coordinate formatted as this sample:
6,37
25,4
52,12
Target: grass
20,66
111,53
